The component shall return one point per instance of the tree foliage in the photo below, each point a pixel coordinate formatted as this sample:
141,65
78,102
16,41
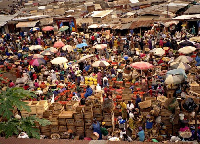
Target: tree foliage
11,98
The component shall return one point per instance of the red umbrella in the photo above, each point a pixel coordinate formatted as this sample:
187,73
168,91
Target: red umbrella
48,28
142,65
37,62
58,44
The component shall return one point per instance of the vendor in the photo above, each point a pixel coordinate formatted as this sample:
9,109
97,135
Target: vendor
96,128
89,91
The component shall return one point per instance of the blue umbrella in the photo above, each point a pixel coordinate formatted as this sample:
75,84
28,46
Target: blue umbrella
125,57
81,45
84,44
177,71
34,29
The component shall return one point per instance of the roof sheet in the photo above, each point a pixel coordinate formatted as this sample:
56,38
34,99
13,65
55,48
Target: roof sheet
138,24
101,14
126,26
5,18
26,24
195,9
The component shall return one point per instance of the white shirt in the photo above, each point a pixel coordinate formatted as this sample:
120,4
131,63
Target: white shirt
130,107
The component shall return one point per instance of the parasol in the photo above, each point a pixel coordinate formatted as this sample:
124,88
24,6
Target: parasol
158,51
59,60
174,79
68,48
186,43
34,29
63,28
195,39
176,65
185,59
142,65
37,62
35,47
85,57
35,56
177,71
81,45
100,64
58,44
52,49
187,50
48,28
46,53
100,46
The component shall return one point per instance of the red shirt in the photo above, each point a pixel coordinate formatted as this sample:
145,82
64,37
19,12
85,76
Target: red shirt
26,87
11,84
34,76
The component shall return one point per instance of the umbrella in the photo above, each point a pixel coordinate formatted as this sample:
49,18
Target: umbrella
176,65
100,64
85,57
142,65
35,56
185,59
126,57
52,49
186,43
81,45
58,44
46,53
59,60
63,28
48,28
68,48
158,51
37,62
187,49
100,46
174,79
177,71
34,29
35,47
195,39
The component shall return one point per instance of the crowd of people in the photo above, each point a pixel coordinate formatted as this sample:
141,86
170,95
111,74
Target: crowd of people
120,52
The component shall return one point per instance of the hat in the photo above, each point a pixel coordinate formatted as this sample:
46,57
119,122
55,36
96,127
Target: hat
103,123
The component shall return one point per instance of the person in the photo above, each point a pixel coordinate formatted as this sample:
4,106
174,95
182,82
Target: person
104,131
96,128
99,77
137,101
11,84
141,134
149,124
89,91
130,106
123,109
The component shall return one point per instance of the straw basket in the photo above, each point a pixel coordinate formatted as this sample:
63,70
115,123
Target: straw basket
55,136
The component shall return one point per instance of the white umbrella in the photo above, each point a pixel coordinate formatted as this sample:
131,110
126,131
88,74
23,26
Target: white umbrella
59,60
184,59
35,47
68,48
100,64
85,57
158,51
187,50
174,79
100,46
177,65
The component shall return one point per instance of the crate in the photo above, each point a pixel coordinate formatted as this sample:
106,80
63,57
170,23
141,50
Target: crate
88,115
73,128
62,121
66,114
54,123
78,116
40,116
53,118
79,123
80,128
57,112
48,134
88,109
108,116
70,122
97,110
47,113
54,129
62,128
33,107
88,121
80,109
88,133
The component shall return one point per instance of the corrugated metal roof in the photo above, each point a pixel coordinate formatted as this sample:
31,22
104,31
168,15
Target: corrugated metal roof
126,26
26,24
101,14
195,9
80,21
46,21
5,18
138,24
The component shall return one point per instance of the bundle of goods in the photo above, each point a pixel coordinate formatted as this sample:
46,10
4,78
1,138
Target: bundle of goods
91,80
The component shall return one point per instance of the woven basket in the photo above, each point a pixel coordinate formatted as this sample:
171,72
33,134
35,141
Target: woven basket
55,136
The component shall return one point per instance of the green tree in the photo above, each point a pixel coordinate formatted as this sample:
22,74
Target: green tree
10,99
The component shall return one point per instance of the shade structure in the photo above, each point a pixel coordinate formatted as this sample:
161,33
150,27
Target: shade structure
46,53
68,48
34,29
85,57
63,28
174,79
195,39
48,28
100,46
187,50
186,43
177,72
158,51
100,64
81,45
35,47
176,65
52,49
142,65
59,60
184,59
35,56
58,44
37,62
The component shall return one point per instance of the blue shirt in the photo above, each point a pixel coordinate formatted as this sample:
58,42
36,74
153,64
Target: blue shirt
149,125
141,135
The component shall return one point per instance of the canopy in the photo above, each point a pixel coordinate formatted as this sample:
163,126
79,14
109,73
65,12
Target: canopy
59,60
29,24
142,65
